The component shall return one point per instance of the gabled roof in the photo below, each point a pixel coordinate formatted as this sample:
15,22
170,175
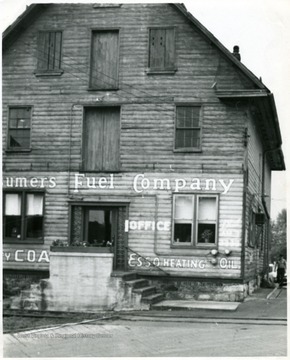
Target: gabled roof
21,23
261,91
220,46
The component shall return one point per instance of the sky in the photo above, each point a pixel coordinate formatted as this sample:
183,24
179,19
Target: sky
261,28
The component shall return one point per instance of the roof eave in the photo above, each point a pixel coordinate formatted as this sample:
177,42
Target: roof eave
21,23
220,46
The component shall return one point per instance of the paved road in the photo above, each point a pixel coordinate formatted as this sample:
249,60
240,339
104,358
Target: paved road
150,338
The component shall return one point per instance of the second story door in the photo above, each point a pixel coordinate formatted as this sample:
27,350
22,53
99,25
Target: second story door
101,140
104,60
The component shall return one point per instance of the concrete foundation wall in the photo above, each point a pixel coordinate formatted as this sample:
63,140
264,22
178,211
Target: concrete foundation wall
81,281
204,290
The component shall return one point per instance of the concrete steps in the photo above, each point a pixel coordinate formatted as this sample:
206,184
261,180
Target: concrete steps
153,298
144,291
137,283
141,287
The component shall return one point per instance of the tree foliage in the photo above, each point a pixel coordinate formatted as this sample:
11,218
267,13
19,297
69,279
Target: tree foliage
279,236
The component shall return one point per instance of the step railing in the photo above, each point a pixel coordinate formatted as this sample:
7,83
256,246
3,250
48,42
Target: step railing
150,262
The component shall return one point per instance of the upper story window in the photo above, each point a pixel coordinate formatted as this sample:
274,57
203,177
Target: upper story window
195,220
101,139
23,216
19,128
104,60
188,128
161,50
49,53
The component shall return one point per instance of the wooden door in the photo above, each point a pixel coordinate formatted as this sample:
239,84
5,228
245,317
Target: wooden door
104,60
101,141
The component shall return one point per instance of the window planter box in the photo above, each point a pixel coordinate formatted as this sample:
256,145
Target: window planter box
80,249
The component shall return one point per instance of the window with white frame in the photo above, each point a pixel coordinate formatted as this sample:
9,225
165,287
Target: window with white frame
23,216
195,220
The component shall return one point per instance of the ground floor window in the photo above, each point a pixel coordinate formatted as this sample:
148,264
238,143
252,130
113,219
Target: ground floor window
100,226
23,216
195,220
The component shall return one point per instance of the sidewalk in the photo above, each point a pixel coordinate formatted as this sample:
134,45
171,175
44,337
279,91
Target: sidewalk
245,332
255,307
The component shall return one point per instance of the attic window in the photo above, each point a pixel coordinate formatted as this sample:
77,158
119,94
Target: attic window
49,53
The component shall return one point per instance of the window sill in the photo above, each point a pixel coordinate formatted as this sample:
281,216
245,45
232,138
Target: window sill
187,150
18,150
194,247
48,73
102,89
161,72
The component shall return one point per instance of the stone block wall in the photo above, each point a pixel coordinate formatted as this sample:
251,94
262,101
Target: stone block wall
201,290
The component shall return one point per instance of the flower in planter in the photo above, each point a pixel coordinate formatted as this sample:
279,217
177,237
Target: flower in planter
207,236
79,243
59,243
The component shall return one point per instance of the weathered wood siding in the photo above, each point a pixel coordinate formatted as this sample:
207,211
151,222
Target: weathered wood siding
147,121
198,66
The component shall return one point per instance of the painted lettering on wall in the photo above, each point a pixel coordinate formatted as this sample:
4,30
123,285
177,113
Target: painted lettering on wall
135,261
32,183
141,183
30,256
147,225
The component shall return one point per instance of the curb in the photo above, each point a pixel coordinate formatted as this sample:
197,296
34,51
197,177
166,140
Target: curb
260,321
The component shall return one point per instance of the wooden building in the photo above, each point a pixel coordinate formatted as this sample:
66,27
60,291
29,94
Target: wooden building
132,129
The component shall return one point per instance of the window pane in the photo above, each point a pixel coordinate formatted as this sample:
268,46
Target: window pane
187,116
183,207
34,204
34,227
182,233
207,209
19,138
20,113
13,204
187,139
12,227
206,233
99,227
23,123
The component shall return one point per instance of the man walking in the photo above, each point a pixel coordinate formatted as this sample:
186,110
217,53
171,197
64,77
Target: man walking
281,268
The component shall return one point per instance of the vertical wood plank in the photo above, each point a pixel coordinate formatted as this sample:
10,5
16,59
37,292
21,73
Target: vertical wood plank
169,49
104,61
111,148
42,53
93,140
57,53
